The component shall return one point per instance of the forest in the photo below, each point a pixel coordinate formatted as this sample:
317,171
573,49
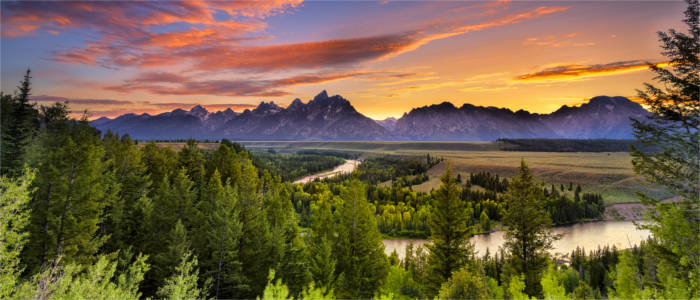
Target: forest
567,145
96,215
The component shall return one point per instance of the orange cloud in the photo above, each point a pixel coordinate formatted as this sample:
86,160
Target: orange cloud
216,47
174,84
552,41
569,72
128,30
123,18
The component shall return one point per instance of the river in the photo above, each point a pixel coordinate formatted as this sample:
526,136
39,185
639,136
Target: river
345,168
590,235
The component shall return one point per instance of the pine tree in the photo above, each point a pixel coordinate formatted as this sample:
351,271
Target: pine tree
627,281
190,158
86,281
159,162
174,201
183,283
360,252
227,162
672,133
485,221
14,217
19,122
552,286
323,262
52,135
221,235
529,233
176,246
73,187
255,240
450,232
288,251
129,214
466,283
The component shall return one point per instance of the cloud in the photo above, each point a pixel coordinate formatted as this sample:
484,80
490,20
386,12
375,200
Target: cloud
129,18
572,71
173,84
53,99
130,35
553,40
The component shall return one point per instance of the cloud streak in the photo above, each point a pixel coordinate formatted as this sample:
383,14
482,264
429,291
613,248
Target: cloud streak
129,36
173,84
557,41
573,71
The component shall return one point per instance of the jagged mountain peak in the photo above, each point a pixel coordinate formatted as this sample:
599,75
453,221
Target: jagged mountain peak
334,118
296,104
266,108
322,95
602,104
199,111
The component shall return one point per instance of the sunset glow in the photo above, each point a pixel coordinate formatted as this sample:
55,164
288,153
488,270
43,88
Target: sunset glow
386,57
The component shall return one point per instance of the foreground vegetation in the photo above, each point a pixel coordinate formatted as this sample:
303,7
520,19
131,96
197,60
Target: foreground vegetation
91,215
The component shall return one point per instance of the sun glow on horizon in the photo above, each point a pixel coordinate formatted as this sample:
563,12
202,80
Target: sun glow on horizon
402,55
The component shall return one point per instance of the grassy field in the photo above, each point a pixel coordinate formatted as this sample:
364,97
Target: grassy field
608,173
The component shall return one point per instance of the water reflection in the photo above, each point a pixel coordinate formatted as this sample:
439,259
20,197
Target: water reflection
621,234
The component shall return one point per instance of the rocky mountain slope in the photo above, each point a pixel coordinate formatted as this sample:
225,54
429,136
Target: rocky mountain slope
334,118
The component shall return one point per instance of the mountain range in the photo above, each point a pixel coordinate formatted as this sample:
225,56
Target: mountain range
334,118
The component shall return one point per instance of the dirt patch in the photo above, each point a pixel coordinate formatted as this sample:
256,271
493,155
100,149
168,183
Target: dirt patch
630,211
625,211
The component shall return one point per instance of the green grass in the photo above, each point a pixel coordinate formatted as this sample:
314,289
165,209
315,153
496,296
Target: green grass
608,173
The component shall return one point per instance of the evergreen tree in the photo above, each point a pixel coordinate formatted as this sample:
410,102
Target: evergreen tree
673,136
323,262
87,281
176,247
255,240
529,233
174,201
627,281
485,221
14,217
450,232
288,252
275,289
128,215
182,284
552,286
221,233
191,159
159,162
227,162
19,124
360,252
73,187
466,283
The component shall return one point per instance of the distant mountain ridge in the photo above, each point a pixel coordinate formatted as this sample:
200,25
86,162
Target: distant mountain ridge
334,118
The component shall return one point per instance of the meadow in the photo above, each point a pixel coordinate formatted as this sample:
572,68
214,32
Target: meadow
607,173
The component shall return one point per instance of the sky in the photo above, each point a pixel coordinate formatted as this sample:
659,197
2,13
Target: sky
385,57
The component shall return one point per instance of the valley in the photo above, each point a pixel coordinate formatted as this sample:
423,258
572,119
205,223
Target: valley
610,173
